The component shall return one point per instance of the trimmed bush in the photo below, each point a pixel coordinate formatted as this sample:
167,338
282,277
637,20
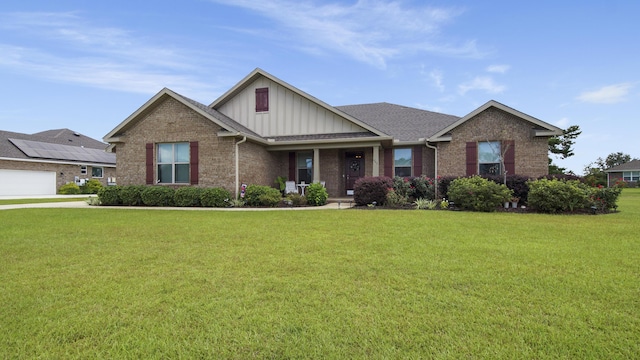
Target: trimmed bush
554,196
316,194
157,196
92,186
478,194
131,195
370,190
69,189
187,196
296,199
109,196
395,199
215,197
260,195
518,184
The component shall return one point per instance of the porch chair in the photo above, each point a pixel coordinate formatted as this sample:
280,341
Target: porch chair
290,187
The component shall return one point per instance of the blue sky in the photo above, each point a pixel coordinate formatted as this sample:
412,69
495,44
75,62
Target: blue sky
87,65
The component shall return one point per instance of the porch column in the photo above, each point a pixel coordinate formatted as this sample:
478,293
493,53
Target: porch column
376,161
316,165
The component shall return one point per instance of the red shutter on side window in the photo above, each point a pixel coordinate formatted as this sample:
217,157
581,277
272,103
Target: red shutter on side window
149,164
417,160
472,158
388,162
292,166
262,99
193,152
510,156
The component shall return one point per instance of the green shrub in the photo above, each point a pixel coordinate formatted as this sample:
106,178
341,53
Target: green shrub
296,199
92,186
316,194
478,194
554,196
187,196
425,204
422,187
69,189
109,195
131,195
605,199
371,190
401,187
157,196
215,197
395,199
260,195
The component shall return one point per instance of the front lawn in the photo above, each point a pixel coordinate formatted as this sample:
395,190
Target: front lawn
133,283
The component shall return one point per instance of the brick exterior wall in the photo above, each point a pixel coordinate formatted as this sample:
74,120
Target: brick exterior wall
65,173
531,153
259,166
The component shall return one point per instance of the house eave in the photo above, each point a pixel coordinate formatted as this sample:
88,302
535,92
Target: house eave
59,162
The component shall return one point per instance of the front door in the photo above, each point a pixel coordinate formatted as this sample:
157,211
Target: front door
354,169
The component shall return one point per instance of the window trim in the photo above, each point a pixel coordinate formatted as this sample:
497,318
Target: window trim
173,163
499,157
410,166
309,169
101,172
631,176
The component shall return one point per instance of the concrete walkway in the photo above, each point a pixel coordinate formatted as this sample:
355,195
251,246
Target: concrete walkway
337,204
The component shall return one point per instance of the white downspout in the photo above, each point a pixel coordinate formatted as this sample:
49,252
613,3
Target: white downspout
238,164
435,149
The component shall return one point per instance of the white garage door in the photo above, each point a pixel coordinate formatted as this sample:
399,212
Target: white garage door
23,182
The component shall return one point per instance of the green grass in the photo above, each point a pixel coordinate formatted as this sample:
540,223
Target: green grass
38,201
107,283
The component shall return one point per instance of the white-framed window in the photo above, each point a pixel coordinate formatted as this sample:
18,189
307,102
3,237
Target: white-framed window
489,158
173,163
402,162
631,175
97,171
304,166
83,170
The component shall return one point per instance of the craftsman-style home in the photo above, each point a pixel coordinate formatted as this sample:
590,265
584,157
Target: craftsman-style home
263,128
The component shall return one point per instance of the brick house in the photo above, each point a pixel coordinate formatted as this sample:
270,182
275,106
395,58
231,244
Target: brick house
40,163
263,128
628,172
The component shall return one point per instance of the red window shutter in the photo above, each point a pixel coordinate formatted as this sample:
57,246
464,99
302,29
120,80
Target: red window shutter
292,166
262,99
472,158
388,162
509,156
193,162
417,160
149,164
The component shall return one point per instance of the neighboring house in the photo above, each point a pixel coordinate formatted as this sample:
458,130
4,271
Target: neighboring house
263,128
38,164
627,172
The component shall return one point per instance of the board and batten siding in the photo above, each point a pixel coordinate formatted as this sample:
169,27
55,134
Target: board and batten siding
289,113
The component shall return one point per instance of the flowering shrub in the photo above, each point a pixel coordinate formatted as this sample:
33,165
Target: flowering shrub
422,187
478,194
604,199
368,190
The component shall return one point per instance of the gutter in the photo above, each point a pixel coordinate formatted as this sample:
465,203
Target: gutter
244,139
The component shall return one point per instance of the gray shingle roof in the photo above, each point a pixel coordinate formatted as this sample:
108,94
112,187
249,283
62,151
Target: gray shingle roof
64,137
402,122
633,165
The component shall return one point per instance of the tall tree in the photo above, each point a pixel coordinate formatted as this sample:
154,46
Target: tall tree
562,146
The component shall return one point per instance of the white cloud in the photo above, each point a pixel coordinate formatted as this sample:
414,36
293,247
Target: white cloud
369,31
500,69
108,58
562,123
484,83
437,77
610,94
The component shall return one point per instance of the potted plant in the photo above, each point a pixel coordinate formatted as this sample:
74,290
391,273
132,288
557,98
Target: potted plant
514,202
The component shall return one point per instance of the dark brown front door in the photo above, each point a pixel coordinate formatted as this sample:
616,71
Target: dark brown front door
354,169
